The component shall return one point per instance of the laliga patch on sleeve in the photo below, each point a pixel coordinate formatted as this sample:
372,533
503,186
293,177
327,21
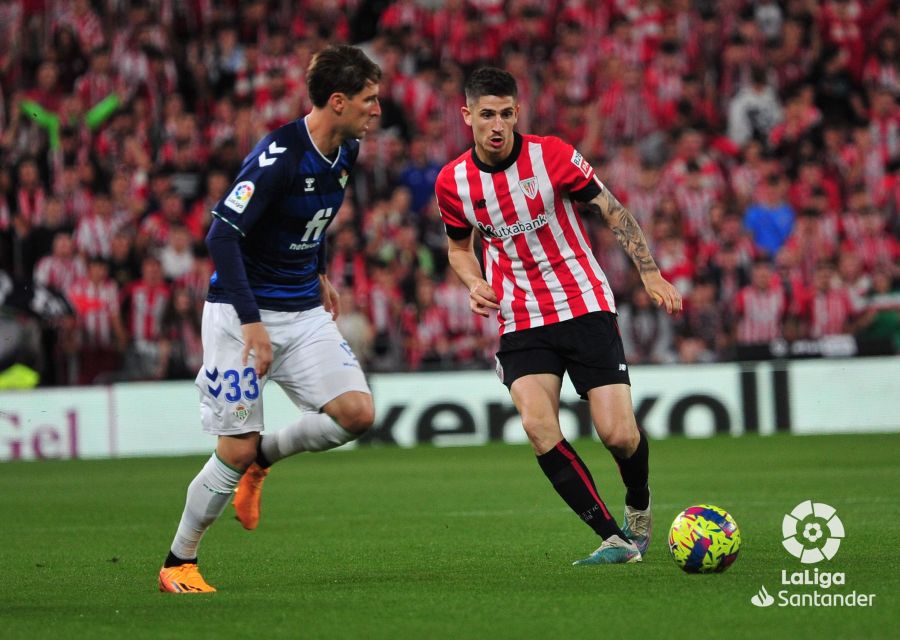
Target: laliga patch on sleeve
581,162
240,196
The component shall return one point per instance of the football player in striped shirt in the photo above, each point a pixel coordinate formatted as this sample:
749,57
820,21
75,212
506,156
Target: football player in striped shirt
555,306
270,311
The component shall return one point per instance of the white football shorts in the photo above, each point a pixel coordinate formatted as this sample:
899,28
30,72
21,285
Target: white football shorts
311,361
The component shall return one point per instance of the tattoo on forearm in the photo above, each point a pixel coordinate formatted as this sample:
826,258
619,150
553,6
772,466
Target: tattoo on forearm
626,230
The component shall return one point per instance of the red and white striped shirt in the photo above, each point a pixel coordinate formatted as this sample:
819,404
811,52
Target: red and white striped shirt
537,256
92,87
96,304
94,234
454,297
59,273
830,312
146,306
31,205
760,313
85,23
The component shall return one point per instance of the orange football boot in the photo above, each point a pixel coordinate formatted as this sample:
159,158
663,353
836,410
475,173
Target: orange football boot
183,578
247,496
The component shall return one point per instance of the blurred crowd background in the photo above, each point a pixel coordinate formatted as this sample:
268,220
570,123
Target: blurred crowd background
756,142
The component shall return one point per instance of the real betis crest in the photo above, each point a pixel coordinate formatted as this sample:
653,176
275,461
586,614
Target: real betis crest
343,178
530,187
241,412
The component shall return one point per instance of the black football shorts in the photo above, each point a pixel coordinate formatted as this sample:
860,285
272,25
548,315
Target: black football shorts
588,347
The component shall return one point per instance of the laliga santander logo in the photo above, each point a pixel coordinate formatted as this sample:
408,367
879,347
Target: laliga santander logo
763,598
243,191
812,532
240,196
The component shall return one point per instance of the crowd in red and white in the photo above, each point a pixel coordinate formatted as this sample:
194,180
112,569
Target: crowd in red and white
757,144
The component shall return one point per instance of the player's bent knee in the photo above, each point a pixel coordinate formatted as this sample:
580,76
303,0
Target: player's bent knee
361,422
355,412
238,453
542,434
622,441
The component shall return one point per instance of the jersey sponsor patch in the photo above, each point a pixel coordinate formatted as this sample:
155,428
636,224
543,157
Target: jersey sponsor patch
522,226
530,187
240,196
581,162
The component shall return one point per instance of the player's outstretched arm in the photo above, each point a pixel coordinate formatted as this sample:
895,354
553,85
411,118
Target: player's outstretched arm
464,263
630,236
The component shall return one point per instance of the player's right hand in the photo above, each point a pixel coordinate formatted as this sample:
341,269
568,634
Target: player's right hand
482,298
257,343
662,291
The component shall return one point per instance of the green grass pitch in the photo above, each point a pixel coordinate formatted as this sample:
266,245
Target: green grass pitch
442,543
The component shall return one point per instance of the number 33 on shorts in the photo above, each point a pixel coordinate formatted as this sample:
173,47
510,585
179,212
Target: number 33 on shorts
228,396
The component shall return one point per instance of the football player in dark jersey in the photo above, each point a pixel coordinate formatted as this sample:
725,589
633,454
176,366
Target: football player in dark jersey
270,313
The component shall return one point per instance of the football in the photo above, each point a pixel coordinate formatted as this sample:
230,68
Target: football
704,539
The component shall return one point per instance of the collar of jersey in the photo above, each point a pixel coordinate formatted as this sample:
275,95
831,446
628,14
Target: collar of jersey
506,164
322,155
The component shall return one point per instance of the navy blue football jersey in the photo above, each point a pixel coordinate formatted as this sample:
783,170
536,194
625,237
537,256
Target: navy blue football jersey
282,201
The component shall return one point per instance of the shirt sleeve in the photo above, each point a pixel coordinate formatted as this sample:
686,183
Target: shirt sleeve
450,206
263,178
570,171
225,250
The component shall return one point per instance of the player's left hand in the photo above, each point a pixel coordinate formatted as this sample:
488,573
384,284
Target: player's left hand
330,298
662,291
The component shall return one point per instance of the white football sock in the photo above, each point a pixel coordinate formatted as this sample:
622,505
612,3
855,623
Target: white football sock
207,496
314,432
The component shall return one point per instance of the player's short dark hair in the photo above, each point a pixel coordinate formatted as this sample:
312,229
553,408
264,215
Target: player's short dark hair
490,81
339,69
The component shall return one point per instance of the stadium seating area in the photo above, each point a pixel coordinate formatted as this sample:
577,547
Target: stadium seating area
757,143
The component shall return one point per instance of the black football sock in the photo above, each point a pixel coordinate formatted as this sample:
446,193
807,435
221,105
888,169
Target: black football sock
261,459
173,561
573,482
635,472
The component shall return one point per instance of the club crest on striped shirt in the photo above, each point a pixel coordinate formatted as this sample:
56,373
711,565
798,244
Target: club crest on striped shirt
530,187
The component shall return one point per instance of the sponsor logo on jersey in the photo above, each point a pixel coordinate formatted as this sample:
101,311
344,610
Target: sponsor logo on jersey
523,226
530,187
303,246
240,196
579,161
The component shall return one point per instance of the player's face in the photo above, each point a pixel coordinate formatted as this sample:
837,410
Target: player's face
361,110
492,119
